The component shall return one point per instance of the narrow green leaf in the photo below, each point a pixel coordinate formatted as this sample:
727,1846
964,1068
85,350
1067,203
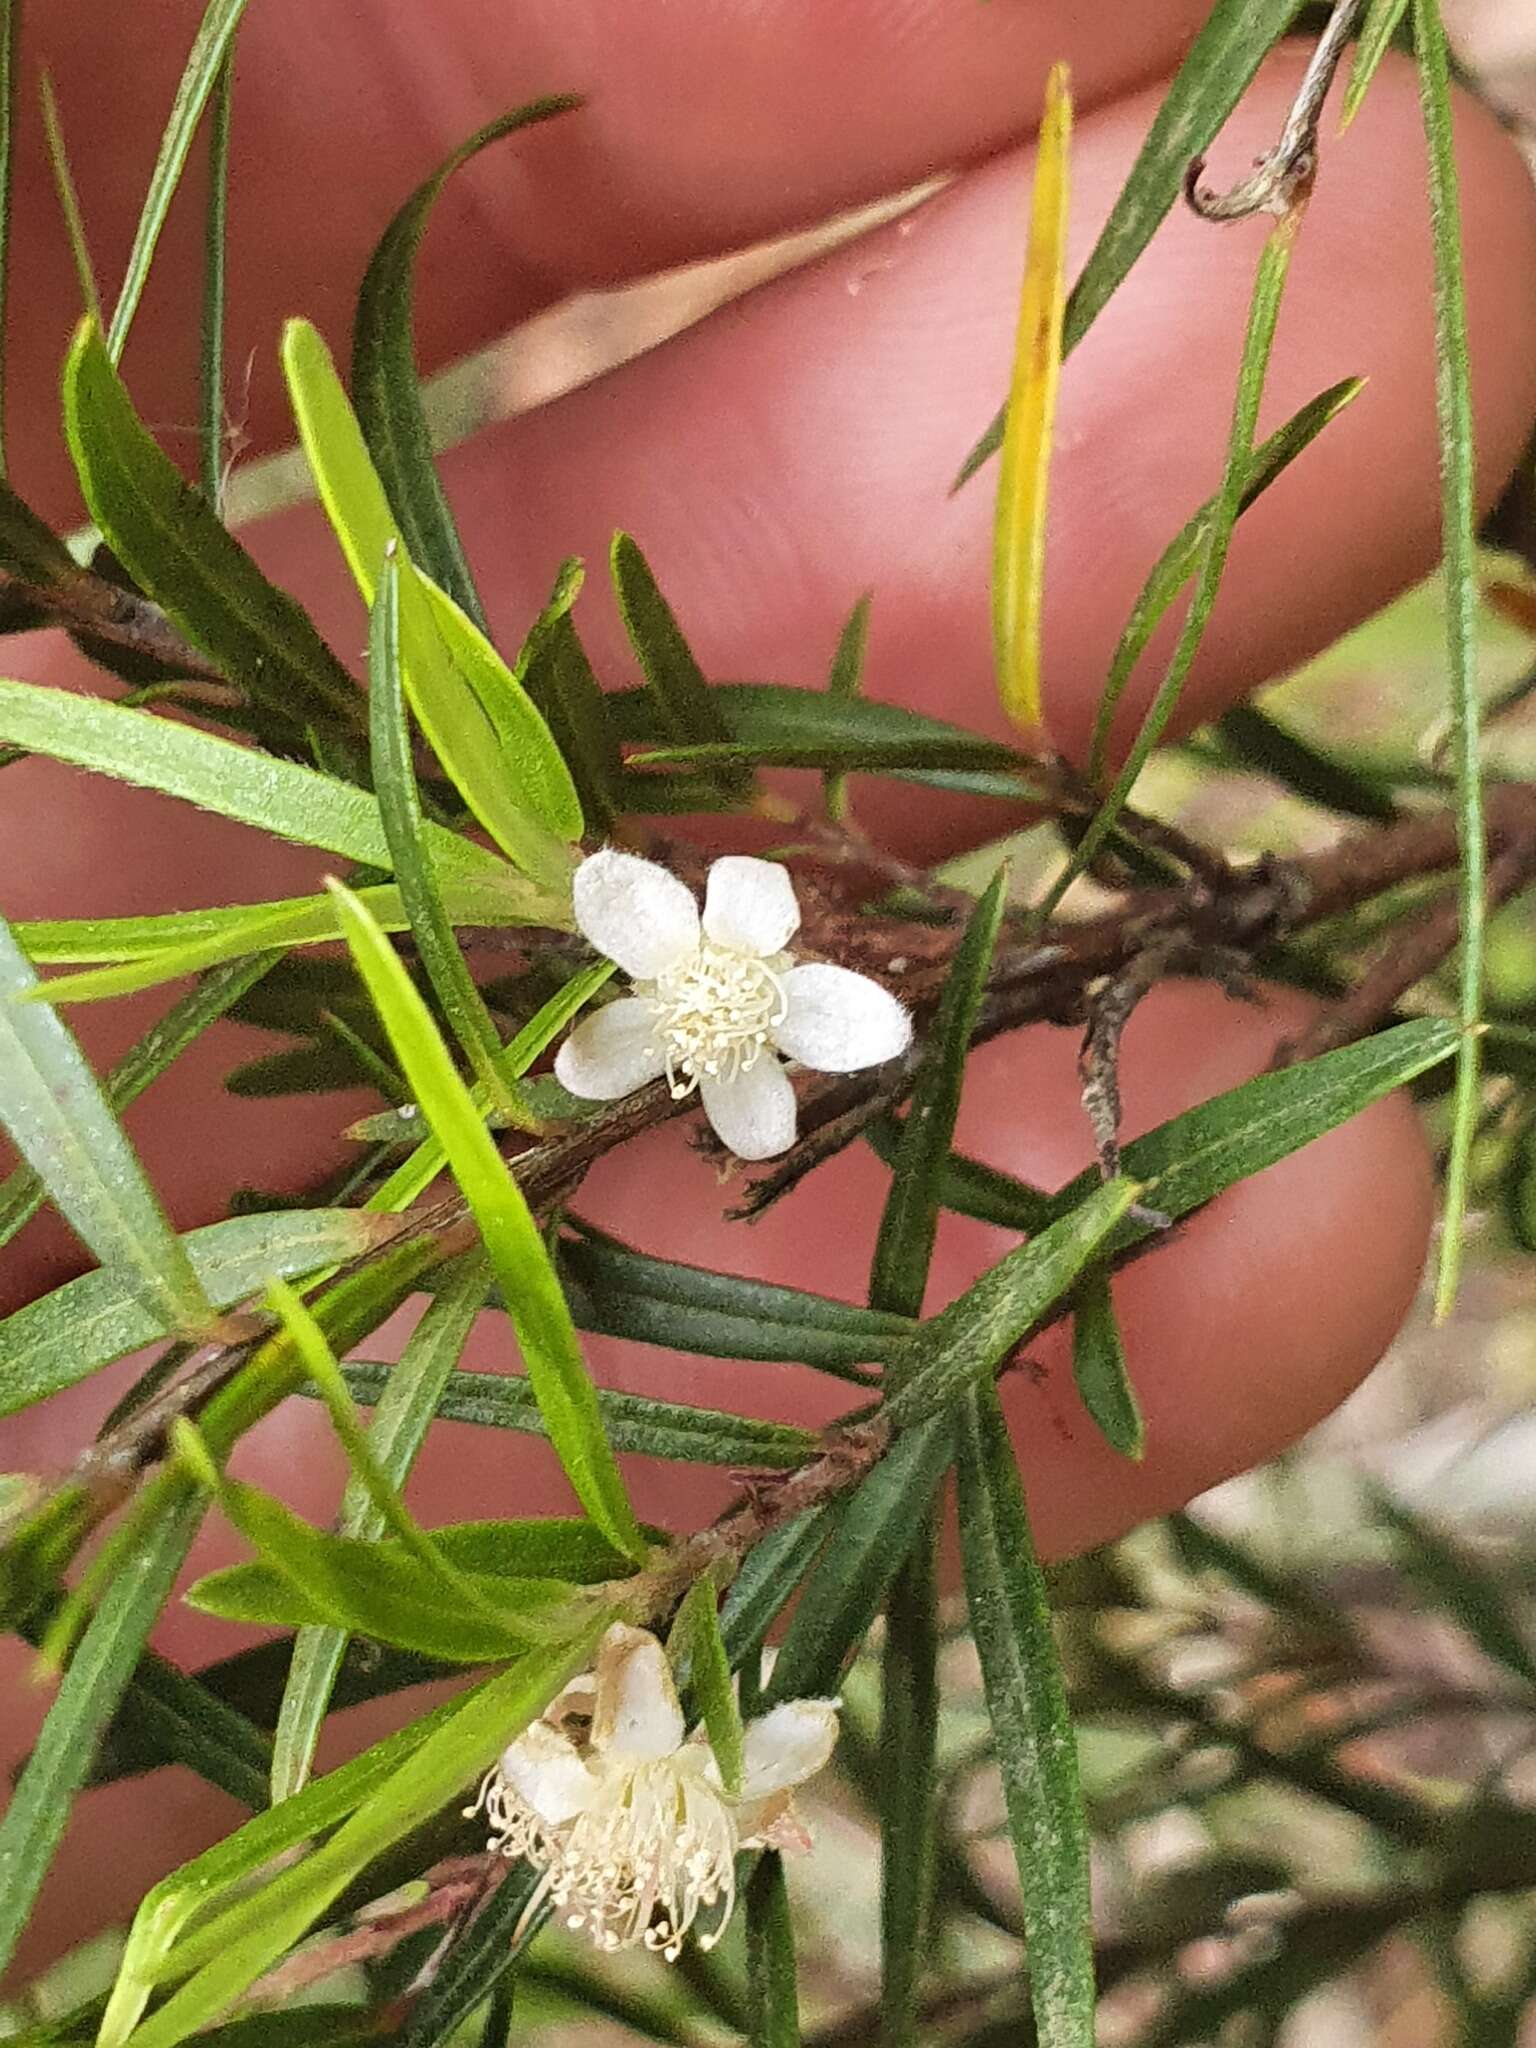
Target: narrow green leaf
177,550
215,38
481,723
167,1717
29,547
622,1293
907,1793
394,778
871,1536
1216,542
385,387
1458,471
69,199
1382,20
1181,559
557,675
904,1248
773,1988
1194,1157
1469,1592
1018,545
88,1696
697,1632
61,1337
765,1582
400,1423
519,1257
22,1193
1098,1366
633,1422
1236,38
215,268
1031,1724
62,1123
280,797
683,698
480,1958
964,1344
984,1192
845,679
245,1938
1261,742
255,1847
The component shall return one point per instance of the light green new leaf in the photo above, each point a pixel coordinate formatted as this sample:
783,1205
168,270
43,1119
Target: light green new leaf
481,723
697,1633
61,1337
1031,1724
399,1428
1458,474
280,797
1382,20
394,779
215,37
1236,38
179,552
242,1941
22,1193
385,386
62,1124
519,1257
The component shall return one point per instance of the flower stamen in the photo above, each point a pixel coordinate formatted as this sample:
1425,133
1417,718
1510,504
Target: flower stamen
715,1013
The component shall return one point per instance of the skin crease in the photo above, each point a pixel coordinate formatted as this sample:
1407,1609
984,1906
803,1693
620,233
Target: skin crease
773,462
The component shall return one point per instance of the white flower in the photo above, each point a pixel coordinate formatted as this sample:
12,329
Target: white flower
629,1823
715,1001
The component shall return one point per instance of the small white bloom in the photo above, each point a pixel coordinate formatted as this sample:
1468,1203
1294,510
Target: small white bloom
628,1821
717,999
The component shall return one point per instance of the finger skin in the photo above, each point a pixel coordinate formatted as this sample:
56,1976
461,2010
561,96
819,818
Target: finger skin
709,123
1226,1367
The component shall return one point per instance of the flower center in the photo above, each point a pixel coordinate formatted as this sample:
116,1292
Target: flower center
714,1014
656,1847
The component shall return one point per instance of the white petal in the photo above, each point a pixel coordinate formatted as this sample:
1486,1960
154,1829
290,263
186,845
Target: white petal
542,1767
838,1021
787,1745
754,1112
612,1052
637,1713
634,911
750,905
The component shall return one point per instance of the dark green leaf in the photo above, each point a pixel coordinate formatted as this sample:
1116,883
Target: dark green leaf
770,1574
1260,742
558,677
385,388
1098,1365
1222,60
86,1323
985,1192
29,547
773,1987
904,1249
624,1293
908,1785
872,1534
634,1422
179,553
684,702
1031,1724
215,37
481,1955
88,1696
965,1343
845,679
62,1123
215,271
